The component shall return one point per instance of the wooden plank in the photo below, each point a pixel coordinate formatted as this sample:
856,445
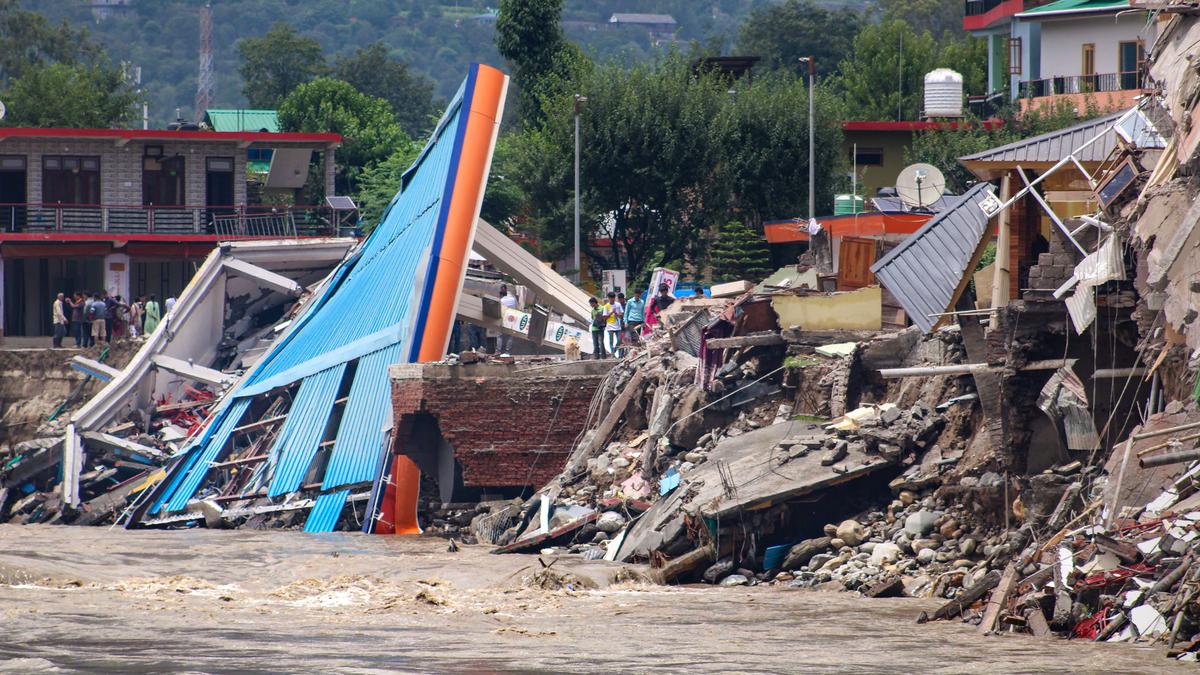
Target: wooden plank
999,599
753,340
855,257
965,599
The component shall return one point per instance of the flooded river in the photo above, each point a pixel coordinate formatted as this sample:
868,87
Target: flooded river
97,600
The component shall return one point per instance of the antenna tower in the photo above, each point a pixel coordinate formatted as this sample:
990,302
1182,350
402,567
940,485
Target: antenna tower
205,86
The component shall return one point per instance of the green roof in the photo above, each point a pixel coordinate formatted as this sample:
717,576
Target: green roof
1074,6
242,120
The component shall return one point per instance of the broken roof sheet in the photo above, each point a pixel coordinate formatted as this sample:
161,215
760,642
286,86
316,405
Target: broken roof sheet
925,271
391,301
1055,145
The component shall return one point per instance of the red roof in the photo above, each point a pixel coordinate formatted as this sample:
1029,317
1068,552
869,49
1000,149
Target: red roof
869,224
171,135
914,126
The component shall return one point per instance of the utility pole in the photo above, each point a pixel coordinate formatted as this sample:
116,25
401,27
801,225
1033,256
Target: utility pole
579,100
205,82
812,70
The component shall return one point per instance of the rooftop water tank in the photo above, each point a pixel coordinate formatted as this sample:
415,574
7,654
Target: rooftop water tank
943,93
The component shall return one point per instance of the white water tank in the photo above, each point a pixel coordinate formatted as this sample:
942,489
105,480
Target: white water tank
943,93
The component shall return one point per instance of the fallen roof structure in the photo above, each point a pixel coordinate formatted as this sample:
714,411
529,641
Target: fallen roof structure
928,272
314,410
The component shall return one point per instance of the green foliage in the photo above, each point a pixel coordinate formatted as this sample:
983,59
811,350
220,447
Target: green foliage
875,83
70,95
668,155
369,130
504,200
529,35
378,184
783,33
374,72
968,56
276,63
941,18
738,253
30,39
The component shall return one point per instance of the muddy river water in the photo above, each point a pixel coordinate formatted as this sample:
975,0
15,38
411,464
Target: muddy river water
99,600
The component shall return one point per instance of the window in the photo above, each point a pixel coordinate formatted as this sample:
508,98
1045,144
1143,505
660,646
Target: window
1014,56
1089,59
12,163
70,180
868,156
219,164
1132,66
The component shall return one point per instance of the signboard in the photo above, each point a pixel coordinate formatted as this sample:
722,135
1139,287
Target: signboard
613,281
663,275
556,332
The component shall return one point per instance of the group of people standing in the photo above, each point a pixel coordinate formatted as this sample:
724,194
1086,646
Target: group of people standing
100,317
618,321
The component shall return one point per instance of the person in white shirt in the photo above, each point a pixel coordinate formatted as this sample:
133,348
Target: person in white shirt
504,341
615,312
59,317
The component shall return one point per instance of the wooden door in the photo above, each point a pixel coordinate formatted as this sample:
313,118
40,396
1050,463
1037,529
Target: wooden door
855,257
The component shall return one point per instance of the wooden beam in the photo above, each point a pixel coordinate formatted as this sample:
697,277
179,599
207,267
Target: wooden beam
769,339
1000,277
999,599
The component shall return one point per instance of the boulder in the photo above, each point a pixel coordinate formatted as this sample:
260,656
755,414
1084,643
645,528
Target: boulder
735,580
610,522
920,523
800,554
885,553
851,532
717,571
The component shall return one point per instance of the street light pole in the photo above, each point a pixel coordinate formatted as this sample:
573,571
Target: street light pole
578,270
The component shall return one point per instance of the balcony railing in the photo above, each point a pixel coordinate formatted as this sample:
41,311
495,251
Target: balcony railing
981,7
258,221
1083,84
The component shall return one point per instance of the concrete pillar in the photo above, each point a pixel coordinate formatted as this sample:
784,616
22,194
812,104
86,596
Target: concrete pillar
116,274
329,171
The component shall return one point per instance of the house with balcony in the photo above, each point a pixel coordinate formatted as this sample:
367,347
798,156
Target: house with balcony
1078,50
134,212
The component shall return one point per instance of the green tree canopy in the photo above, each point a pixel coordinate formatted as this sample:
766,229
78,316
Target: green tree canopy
529,35
369,130
941,18
374,72
276,63
884,77
378,184
70,95
739,252
783,33
669,154
29,39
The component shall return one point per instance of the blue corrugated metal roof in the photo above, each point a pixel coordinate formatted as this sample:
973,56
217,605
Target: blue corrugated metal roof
323,516
355,457
372,310
191,472
303,429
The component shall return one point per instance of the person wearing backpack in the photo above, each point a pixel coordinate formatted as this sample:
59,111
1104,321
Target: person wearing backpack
599,319
97,314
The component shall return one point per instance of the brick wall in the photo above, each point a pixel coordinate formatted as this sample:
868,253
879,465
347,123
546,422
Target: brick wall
121,167
505,431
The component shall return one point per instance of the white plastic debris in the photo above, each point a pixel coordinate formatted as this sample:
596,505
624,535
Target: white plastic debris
1148,622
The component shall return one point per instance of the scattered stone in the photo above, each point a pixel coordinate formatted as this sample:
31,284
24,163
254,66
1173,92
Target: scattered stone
920,523
735,580
610,522
851,532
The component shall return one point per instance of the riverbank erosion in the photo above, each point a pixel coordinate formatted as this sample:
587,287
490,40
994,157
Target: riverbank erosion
212,601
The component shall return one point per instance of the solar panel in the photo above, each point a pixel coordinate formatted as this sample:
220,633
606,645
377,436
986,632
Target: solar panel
340,203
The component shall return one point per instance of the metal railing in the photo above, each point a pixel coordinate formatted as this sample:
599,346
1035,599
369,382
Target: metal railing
258,221
1083,84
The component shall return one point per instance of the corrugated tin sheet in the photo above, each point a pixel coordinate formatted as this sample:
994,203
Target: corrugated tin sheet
323,516
303,429
924,271
243,119
355,457
189,473
1056,145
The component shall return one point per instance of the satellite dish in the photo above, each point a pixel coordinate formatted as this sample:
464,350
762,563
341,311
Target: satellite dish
920,185
2,110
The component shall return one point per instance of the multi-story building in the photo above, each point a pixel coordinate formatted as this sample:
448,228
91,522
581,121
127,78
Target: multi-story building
1081,50
134,211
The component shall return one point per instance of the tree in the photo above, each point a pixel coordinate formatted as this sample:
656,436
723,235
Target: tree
783,33
875,84
969,56
70,95
738,253
941,18
373,72
368,128
30,40
276,63
378,184
763,132
503,199
530,37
